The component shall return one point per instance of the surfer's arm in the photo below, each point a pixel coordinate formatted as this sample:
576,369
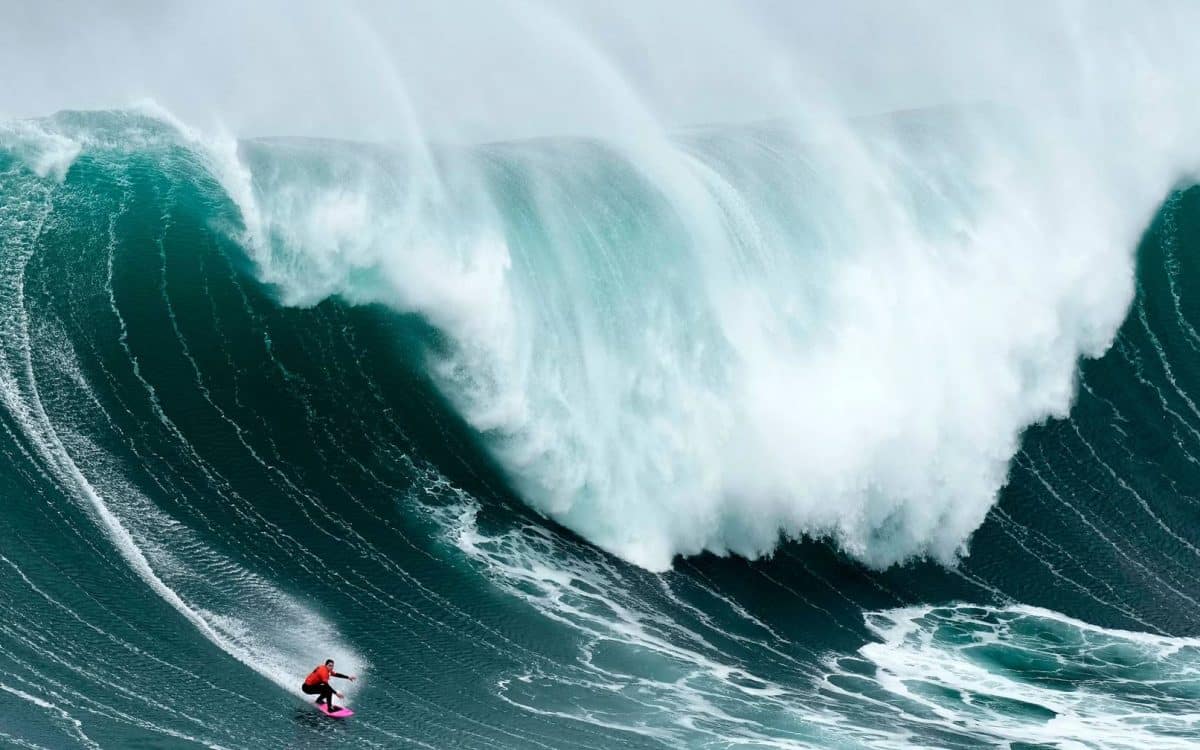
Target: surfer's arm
344,676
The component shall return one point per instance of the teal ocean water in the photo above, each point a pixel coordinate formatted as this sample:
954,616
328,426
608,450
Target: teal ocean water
556,444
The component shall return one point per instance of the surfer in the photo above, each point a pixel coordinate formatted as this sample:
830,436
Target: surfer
317,683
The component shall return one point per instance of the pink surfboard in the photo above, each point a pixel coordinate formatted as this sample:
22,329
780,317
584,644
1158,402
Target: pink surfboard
341,713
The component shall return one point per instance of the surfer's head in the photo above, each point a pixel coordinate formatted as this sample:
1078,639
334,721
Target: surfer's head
329,663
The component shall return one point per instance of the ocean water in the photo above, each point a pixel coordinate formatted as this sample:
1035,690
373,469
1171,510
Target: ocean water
738,440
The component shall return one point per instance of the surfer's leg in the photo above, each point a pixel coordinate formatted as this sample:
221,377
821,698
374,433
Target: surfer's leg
327,694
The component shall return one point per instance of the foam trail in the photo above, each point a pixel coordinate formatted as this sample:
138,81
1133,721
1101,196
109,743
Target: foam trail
76,726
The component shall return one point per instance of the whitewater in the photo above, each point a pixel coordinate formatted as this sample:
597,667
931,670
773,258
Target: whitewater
751,378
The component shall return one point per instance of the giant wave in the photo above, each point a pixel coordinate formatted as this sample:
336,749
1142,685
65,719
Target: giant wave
810,431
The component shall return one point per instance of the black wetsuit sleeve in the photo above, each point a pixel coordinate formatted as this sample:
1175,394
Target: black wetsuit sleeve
339,674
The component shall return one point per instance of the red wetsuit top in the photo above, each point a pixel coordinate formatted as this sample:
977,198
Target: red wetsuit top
318,676
321,675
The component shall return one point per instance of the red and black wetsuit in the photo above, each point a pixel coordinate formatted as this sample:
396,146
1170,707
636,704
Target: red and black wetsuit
317,683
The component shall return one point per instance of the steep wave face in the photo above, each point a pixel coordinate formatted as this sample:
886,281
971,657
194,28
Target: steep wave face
453,417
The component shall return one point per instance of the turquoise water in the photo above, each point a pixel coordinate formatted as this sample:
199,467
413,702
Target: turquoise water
555,447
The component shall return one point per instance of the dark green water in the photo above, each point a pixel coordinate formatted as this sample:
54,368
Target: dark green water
206,492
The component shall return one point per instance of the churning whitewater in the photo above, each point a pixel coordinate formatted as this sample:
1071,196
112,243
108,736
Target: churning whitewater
674,351
816,425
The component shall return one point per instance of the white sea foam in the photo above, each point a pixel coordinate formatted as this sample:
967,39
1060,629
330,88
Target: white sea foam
640,671
953,675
